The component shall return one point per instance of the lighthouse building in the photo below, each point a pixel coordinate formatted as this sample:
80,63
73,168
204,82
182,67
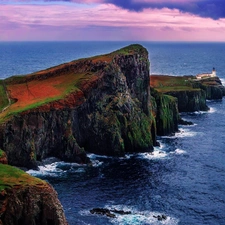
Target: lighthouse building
207,75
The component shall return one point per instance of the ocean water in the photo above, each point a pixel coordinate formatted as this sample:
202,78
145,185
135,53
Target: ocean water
183,179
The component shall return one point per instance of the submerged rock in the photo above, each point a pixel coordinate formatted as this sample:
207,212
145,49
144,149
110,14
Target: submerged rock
102,211
109,212
160,217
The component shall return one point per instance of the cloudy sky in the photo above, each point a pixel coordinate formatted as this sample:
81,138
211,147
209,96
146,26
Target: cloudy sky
147,20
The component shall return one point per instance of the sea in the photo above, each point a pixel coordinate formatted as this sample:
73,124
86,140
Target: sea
184,179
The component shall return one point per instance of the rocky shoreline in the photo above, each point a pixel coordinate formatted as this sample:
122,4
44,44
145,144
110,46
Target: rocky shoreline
108,105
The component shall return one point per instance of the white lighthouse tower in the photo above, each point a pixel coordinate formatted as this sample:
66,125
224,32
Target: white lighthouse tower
214,72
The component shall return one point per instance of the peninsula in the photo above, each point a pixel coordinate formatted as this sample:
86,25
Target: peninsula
107,104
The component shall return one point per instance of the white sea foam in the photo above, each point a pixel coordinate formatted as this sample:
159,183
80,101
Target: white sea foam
186,132
94,156
57,168
222,81
96,163
179,152
49,169
156,154
212,110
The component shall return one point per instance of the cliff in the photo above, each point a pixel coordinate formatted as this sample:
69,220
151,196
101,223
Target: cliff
165,111
27,200
191,93
99,105
212,86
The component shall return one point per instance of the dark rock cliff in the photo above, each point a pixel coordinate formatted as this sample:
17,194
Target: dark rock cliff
109,114
165,110
190,101
191,93
212,87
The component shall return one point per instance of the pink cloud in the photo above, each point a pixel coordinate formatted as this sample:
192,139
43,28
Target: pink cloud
104,21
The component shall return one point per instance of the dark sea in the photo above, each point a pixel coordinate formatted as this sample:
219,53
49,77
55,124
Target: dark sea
185,177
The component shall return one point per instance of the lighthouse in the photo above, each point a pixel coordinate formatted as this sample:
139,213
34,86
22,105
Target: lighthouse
214,72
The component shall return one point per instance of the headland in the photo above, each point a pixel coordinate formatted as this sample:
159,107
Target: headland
107,104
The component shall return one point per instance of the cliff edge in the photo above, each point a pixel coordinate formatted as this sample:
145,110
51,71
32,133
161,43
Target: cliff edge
99,105
27,200
191,93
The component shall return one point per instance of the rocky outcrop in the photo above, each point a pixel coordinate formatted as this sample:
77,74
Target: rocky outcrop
109,212
190,101
212,86
165,110
109,113
191,93
27,200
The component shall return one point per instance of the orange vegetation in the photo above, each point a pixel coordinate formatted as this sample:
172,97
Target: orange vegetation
54,91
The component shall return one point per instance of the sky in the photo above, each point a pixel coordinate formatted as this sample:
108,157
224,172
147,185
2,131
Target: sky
112,20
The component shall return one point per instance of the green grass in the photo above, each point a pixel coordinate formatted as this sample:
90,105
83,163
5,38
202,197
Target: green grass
164,83
13,177
3,96
166,89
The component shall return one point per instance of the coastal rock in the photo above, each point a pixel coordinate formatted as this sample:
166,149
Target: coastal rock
166,113
191,93
102,211
161,217
107,110
190,101
3,157
27,200
109,212
212,86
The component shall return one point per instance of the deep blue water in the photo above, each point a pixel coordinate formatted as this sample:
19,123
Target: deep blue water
184,179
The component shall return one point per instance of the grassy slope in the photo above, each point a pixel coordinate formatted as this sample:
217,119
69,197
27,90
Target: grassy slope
38,92
3,96
171,83
13,177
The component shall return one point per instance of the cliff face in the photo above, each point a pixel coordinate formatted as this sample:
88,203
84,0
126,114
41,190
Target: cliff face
212,87
190,101
190,92
107,113
27,200
165,109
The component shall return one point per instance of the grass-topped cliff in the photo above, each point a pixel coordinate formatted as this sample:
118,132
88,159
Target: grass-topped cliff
27,200
99,104
12,177
190,92
54,84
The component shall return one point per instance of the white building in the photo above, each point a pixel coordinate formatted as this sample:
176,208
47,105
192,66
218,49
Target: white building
207,75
